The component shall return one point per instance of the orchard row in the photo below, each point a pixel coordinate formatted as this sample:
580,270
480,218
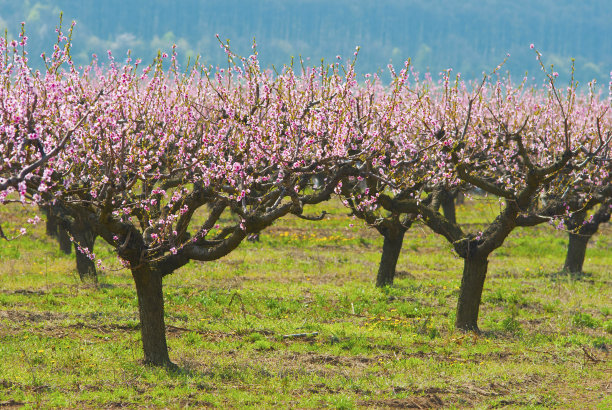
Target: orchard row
150,157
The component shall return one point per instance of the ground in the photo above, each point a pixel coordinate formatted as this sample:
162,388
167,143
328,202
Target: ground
545,341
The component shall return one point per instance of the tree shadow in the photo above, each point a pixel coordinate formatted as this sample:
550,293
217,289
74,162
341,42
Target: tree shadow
566,274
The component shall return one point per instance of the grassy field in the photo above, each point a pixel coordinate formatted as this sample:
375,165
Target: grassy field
546,336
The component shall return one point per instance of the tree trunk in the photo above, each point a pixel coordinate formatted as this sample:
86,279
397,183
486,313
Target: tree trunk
55,229
151,307
392,247
448,207
63,238
51,223
85,237
470,293
576,251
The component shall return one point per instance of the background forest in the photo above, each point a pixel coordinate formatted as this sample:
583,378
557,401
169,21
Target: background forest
469,36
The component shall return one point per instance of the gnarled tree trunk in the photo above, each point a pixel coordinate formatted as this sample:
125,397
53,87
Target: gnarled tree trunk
392,247
151,307
470,293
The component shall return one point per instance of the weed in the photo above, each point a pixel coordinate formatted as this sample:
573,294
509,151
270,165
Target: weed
584,320
601,343
262,345
510,324
551,307
498,296
191,338
342,403
255,337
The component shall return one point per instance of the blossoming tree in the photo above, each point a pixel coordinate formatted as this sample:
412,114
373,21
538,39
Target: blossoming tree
401,166
39,114
512,142
177,166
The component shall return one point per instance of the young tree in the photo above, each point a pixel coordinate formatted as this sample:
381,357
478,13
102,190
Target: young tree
587,194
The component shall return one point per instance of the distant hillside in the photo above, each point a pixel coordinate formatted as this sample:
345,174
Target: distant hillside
470,35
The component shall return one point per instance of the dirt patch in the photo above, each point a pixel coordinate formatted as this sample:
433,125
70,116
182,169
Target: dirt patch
197,404
322,388
7,384
27,316
23,292
402,274
430,401
11,404
59,325
118,405
208,335
105,328
349,361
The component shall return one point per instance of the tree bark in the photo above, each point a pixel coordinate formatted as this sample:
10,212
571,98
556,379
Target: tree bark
63,238
51,224
85,237
470,293
54,227
576,251
151,307
392,247
580,232
448,207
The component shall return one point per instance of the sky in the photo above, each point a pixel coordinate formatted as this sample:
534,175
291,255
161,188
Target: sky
469,36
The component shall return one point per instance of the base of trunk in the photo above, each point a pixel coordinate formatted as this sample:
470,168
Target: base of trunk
576,252
86,268
392,247
152,324
470,293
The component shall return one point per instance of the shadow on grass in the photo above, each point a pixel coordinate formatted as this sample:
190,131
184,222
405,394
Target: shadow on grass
566,274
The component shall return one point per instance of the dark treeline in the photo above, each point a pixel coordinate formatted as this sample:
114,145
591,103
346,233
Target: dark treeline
470,36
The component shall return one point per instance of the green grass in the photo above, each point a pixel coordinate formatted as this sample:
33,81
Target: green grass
545,343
